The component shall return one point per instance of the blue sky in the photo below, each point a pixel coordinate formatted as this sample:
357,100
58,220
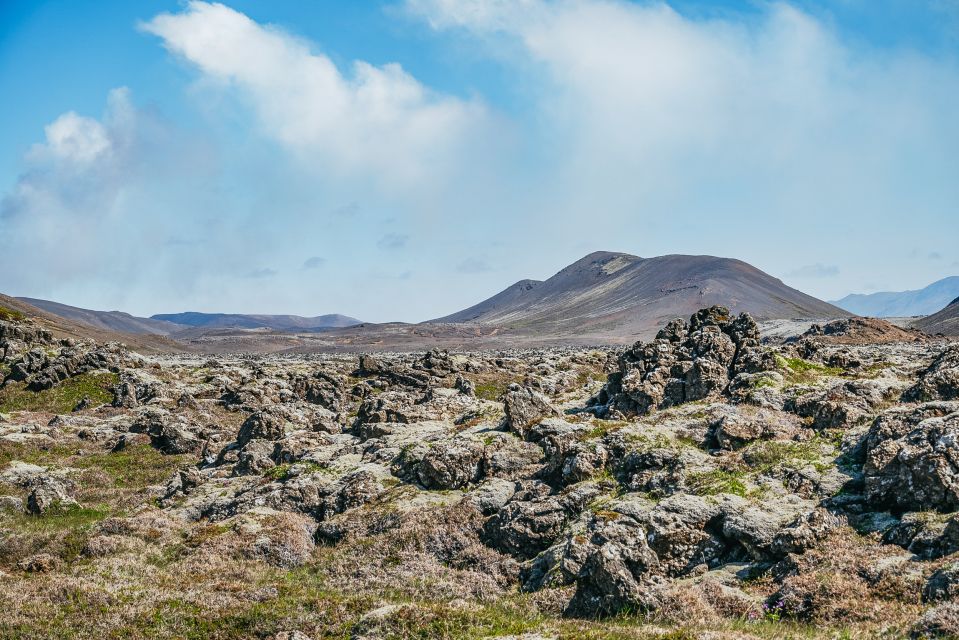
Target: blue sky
404,159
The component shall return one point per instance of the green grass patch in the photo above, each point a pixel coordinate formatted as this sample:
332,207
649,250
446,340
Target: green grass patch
58,518
799,371
283,472
135,467
62,398
764,456
10,315
492,391
717,481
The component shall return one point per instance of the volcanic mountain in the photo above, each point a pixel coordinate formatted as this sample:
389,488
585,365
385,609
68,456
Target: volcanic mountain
945,321
620,294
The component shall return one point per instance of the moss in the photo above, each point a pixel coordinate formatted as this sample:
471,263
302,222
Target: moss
492,391
284,472
62,398
762,382
10,315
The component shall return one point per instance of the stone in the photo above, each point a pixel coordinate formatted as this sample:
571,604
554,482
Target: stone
912,458
525,408
939,381
943,584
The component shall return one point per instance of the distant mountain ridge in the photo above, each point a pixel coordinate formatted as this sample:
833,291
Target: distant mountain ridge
617,292
256,321
899,304
172,324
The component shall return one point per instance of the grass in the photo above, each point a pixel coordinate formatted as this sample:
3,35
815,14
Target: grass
62,398
284,472
10,315
717,481
134,467
799,371
61,531
764,456
491,391
106,476
601,428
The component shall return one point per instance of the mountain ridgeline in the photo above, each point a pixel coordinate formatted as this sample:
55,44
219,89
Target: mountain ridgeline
603,298
900,304
618,293
256,321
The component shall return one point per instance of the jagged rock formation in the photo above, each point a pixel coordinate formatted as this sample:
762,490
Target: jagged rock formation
686,362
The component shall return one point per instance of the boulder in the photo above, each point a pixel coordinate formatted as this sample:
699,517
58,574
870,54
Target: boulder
525,408
939,381
943,584
912,458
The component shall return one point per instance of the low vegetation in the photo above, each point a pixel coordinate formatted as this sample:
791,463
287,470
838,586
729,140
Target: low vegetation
63,398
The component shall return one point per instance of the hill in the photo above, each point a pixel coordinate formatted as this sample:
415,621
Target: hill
195,319
898,304
108,320
945,321
608,293
67,328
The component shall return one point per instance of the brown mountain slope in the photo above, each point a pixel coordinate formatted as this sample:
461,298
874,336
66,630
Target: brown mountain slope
67,328
116,321
945,321
620,294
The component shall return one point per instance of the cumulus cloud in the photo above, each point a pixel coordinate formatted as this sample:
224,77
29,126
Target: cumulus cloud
817,270
117,205
377,119
74,138
314,262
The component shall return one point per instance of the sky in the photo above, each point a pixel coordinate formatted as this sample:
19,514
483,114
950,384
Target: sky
402,160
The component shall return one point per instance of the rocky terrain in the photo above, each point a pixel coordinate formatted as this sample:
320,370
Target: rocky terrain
708,483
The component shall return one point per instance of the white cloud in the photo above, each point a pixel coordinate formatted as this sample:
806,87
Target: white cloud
377,120
743,136
73,137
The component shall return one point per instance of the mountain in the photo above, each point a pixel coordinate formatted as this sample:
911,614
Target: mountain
195,319
900,304
620,294
945,321
64,327
108,320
